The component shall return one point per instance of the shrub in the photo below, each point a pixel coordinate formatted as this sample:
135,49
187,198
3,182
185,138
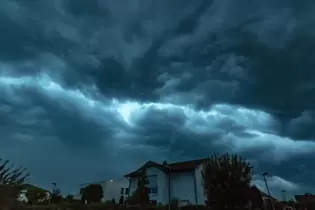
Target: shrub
226,181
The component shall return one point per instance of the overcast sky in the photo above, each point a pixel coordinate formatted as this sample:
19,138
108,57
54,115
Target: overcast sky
90,90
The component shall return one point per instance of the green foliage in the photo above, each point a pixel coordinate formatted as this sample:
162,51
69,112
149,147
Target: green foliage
11,179
36,196
8,196
93,193
69,198
121,200
141,195
226,181
174,203
11,175
56,196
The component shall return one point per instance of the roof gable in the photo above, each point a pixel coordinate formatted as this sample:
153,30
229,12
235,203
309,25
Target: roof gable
172,167
185,166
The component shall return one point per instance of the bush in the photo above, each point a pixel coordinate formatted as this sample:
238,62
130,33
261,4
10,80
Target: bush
102,206
194,207
8,196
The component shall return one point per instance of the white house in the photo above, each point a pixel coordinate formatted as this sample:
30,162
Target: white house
112,189
182,181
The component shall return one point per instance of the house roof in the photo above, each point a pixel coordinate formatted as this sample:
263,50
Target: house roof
186,165
306,198
172,167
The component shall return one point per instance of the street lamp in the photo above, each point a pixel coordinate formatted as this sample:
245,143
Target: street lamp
264,176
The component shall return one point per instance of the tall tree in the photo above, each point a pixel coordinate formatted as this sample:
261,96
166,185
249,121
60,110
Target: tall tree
11,175
93,193
226,181
141,195
55,196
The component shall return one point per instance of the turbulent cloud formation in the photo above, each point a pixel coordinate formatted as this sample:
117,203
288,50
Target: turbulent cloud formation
89,90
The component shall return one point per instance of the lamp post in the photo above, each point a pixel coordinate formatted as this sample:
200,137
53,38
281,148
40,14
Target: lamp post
264,176
265,180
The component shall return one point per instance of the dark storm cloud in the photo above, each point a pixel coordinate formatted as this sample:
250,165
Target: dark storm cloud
84,82
54,116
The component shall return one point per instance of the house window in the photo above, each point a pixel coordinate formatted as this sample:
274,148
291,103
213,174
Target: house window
153,188
127,191
122,190
121,200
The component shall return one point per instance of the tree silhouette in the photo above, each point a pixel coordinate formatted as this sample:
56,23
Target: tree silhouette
11,180
10,175
69,198
36,195
121,200
226,181
56,196
93,193
141,195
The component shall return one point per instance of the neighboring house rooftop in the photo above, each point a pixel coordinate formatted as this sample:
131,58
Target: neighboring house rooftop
254,189
172,167
258,199
306,198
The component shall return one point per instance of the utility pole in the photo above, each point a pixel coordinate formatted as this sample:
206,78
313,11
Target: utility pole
264,176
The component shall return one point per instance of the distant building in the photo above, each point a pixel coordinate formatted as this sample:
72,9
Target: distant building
26,187
112,189
306,201
181,181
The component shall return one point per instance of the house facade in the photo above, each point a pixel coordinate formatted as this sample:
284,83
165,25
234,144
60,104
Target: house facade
181,181
117,190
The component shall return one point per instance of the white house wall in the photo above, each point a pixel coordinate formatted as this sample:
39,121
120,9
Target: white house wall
111,189
182,186
201,198
162,183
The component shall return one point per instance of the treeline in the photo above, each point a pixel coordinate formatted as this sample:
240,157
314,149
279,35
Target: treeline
226,180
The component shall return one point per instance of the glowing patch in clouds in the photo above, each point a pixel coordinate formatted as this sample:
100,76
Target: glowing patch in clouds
127,109
256,122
